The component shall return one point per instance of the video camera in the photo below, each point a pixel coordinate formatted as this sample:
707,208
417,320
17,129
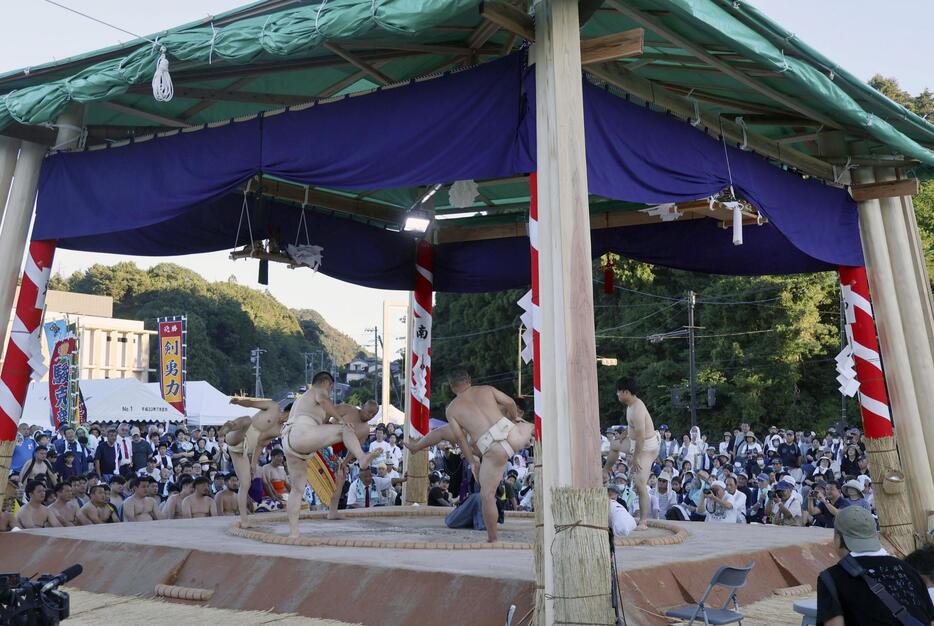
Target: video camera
25,602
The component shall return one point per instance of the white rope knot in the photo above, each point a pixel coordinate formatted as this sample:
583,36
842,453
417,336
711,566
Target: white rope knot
696,120
162,89
837,178
213,39
742,125
785,67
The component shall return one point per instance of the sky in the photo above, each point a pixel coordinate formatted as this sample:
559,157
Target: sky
864,36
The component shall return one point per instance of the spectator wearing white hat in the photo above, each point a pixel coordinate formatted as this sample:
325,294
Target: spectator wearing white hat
663,495
854,495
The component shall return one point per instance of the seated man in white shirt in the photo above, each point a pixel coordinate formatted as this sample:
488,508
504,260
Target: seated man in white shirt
621,521
785,505
363,492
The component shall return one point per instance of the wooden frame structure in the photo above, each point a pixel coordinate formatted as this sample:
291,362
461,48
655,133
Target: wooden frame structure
651,61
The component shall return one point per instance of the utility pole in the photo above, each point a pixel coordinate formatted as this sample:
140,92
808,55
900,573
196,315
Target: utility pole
255,354
692,298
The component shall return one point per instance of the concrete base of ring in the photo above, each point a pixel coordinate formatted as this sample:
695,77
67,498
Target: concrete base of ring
417,528
443,582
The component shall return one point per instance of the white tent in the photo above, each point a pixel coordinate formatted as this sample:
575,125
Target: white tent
393,416
205,405
123,399
106,400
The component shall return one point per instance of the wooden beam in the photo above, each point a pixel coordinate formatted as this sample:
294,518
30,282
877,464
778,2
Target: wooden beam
644,20
229,94
261,69
323,199
190,112
800,138
740,105
145,115
344,83
35,134
888,189
509,18
682,107
358,63
628,43
695,210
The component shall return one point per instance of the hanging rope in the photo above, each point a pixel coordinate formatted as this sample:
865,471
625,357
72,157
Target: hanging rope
696,120
162,89
245,210
837,178
726,155
742,125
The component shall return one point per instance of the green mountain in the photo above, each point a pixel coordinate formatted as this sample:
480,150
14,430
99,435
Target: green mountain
225,321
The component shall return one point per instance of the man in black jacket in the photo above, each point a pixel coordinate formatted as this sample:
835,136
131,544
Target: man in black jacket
845,591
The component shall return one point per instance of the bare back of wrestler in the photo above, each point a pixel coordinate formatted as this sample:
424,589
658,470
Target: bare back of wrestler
244,436
479,411
307,431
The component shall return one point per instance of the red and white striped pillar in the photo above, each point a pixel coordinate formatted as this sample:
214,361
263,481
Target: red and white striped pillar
24,336
536,308
421,340
861,333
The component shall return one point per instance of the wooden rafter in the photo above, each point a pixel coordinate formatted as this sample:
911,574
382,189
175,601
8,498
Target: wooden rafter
190,112
622,45
889,189
144,115
509,18
229,94
358,63
346,82
646,21
261,69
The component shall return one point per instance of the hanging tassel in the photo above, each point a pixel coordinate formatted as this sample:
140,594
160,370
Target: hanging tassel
162,89
608,276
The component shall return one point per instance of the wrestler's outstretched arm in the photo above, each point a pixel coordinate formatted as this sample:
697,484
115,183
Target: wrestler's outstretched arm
506,403
239,423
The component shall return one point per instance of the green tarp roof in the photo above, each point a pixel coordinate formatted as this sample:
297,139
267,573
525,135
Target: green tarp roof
724,55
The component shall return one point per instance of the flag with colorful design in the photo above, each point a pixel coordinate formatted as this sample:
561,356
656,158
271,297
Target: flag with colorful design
173,359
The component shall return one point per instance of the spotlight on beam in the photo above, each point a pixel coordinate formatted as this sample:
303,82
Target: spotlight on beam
417,221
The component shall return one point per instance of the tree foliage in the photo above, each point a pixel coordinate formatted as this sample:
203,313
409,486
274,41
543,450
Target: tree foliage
765,345
225,321
922,104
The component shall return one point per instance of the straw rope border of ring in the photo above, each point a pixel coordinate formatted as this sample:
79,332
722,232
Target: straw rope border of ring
678,534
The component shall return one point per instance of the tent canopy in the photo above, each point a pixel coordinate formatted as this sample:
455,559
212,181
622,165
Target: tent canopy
365,159
393,416
107,400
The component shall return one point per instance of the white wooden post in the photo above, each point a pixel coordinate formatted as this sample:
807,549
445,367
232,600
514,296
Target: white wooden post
889,275
569,409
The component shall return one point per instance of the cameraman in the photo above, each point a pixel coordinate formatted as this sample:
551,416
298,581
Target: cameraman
718,503
785,505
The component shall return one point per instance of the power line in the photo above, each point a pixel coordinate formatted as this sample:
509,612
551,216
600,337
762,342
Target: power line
641,293
653,314
476,333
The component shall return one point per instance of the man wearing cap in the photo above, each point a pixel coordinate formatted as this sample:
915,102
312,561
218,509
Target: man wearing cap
788,449
785,505
665,497
621,521
436,495
868,586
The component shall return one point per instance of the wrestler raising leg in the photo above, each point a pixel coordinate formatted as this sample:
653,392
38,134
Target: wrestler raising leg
246,435
479,411
644,441
308,431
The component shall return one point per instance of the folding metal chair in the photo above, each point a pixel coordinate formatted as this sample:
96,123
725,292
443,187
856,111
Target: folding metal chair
731,577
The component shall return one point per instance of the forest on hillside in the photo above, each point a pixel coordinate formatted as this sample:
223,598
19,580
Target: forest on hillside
225,321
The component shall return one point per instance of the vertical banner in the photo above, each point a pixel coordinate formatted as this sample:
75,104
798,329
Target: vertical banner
77,411
62,347
173,359
421,340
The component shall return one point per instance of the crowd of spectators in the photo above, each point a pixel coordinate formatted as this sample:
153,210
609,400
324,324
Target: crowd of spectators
785,477
87,475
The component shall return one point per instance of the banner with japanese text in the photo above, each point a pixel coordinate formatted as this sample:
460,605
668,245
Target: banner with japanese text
173,359
62,349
